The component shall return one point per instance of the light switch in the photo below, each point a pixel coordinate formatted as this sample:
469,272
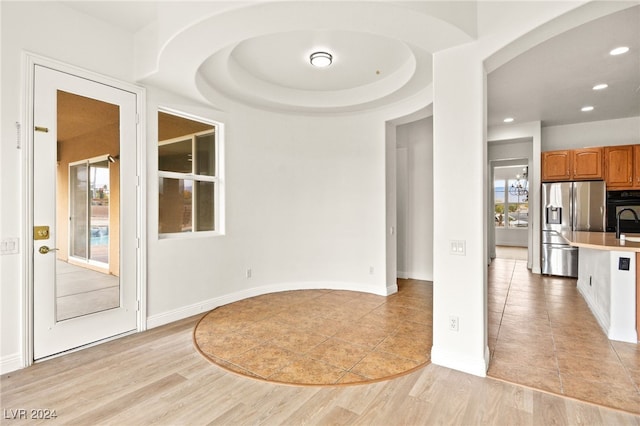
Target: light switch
9,246
458,247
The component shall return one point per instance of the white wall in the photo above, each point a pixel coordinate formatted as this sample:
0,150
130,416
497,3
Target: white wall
305,196
415,199
623,131
305,207
460,136
460,158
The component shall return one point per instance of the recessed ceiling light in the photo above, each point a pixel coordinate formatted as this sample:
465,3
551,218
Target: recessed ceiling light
586,108
321,59
508,120
619,50
600,86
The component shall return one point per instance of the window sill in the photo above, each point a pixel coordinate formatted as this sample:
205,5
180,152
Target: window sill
189,235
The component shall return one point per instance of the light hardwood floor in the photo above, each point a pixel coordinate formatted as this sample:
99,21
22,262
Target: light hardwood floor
157,377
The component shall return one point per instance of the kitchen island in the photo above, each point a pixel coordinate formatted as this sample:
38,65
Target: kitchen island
608,279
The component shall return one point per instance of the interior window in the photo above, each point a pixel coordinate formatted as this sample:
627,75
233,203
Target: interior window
189,181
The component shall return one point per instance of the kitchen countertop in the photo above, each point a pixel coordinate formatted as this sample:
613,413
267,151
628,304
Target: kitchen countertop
601,241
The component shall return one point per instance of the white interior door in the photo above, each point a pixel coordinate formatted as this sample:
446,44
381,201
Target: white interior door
84,212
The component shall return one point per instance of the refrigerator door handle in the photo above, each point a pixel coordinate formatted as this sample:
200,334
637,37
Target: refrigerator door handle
574,199
562,247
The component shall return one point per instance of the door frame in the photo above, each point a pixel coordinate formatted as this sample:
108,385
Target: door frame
29,62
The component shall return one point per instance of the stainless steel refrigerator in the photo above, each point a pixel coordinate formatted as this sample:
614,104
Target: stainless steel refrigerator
569,206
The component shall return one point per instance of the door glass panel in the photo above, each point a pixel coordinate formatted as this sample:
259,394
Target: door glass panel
78,210
99,219
87,206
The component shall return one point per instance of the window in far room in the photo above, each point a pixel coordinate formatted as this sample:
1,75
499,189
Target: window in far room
511,196
188,174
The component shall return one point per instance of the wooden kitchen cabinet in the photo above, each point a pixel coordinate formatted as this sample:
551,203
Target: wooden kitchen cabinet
574,164
636,166
556,165
619,166
587,163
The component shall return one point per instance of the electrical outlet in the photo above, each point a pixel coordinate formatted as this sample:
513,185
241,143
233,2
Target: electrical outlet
248,272
371,270
453,323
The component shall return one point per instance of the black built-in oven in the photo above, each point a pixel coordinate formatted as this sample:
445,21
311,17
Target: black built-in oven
617,200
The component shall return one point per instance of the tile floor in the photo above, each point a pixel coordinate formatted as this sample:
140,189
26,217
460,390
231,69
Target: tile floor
543,335
509,252
322,336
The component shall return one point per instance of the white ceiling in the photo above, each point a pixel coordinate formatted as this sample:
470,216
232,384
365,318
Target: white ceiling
383,54
128,15
274,70
553,81
352,66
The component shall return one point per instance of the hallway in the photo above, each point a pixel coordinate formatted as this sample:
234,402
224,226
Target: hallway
543,335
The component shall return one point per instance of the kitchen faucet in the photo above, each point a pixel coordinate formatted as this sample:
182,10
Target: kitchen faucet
635,215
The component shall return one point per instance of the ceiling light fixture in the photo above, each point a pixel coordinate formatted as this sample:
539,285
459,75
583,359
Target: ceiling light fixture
508,120
600,86
586,108
619,50
321,59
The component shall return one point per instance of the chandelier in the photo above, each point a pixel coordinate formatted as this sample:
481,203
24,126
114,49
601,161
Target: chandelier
519,187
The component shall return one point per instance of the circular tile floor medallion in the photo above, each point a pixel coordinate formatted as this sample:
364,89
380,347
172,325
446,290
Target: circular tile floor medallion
321,337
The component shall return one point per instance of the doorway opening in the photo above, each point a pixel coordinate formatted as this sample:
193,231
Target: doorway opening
511,205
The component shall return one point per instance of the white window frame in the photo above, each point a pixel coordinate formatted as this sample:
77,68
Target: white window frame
217,179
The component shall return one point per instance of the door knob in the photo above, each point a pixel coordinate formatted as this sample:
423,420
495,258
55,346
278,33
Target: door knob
45,249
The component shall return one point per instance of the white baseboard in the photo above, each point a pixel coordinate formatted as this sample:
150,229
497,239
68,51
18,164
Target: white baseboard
11,363
623,335
460,362
601,315
207,305
404,275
